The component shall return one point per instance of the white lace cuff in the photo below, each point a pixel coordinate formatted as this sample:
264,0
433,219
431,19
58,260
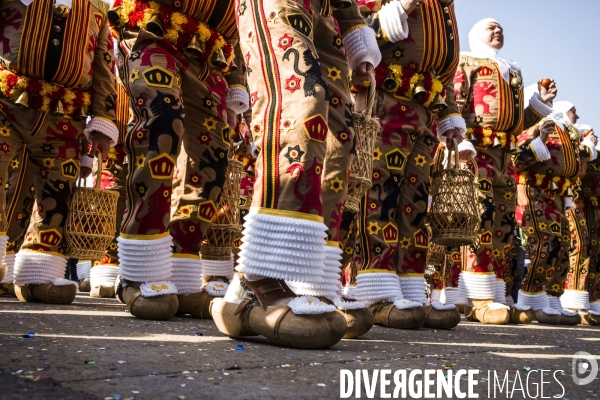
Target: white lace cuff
85,161
541,108
452,122
393,21
238,100
104,126
361,46
467,145
540,151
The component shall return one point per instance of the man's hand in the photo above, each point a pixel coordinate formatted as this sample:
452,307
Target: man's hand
361,74
101,143
231,119
454,133
547,95
410,5
545,130
592,138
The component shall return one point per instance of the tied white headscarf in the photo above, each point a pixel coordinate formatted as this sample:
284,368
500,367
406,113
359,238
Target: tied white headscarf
479,49
561,108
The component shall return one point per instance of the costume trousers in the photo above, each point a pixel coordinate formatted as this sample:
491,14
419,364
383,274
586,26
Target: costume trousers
302,129
486,268
592,215
51,144
20,199
177,105
573,284
541,216
391,232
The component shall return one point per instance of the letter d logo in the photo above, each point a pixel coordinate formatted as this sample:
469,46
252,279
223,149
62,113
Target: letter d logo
582,363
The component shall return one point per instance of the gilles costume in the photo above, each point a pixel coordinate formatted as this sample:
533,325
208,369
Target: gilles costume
174,57
589,203
56,69
489,93
420,52
302,128
546,175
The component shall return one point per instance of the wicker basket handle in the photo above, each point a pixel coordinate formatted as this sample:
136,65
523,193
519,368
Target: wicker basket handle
456,158
371,92
98,173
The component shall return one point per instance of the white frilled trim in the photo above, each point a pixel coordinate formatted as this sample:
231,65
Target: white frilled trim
282,248
349,291
83,270
237,100
509,301
449,295
217,268
33,267
331,287
451,122
477,286
413,288
103,275
403,304
497,306
145,260
393,21
309,305
85,161
500,291
347,305
442,307
536,301
216,288
3,242
550,311
435,295
235,292
467,145
595,306
554,302
575,299
541,108
63,282
104,126
374,287
158,288
187,274
9,260
591,148
361,46
540,151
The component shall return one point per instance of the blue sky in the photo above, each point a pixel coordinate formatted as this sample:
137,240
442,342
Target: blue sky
547,38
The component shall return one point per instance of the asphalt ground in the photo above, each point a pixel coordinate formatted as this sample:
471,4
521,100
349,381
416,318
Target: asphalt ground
94,349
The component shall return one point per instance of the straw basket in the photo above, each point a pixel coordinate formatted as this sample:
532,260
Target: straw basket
454,216
92,219
366,129
226,225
